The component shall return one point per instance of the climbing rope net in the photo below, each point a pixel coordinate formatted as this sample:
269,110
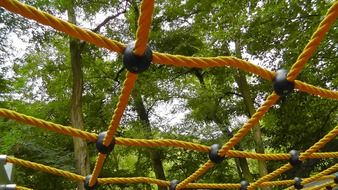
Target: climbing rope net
137,57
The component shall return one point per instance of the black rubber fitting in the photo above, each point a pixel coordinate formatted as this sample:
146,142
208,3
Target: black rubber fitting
281,85
328,187
101,147
298,183
294,159
135,63
173,184
336,178
213,154
86,183
244,185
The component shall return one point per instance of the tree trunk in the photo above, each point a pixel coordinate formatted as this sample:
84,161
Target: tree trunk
80,146
245,91
155,156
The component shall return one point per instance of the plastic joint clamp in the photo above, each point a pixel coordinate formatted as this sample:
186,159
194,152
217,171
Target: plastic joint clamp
3,159
86,183
244,185
101,147
294,158
173,184
135,63
213,154
281,85
298,183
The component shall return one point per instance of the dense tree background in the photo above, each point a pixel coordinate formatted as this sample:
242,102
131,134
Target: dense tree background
205,106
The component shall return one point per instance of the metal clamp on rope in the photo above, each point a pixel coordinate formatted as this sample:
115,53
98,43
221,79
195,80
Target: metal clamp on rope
86,183
281,85
336,178
101,147
213,154
173,184
294,158
8,187
244,185
298,183
135,63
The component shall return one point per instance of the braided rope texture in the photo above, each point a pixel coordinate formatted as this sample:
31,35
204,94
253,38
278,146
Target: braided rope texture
142,37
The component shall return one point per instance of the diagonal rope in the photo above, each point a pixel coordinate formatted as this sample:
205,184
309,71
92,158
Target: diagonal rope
143,29
314,42
142,35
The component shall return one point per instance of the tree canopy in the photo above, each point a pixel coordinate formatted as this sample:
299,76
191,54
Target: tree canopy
72,82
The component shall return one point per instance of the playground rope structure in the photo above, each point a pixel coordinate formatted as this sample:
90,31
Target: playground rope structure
108,139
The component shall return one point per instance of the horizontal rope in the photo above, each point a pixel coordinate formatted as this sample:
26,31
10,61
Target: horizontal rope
61,25
120,180
44,168
204,62
66,130
317,91
22,188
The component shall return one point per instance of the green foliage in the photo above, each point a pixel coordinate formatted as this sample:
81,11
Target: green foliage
271,32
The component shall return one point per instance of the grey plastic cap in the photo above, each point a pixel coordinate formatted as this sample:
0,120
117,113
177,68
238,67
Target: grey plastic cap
3,159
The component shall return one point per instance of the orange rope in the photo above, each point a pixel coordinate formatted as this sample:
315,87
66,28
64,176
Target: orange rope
317,91
60,25
315,40
270,101
204,62
133,180
44,168
66,130
327,138
142,34
22,188
144,22
121,105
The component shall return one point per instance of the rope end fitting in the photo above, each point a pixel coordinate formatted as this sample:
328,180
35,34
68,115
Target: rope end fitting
86,183
173,184
213,154
101,147
298,183
281,85
294,158
244,185
135,63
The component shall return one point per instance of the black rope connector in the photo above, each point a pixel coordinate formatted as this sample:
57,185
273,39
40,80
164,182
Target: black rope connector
281,85
101,147
336,178
135,63
173,184
213,154
86,183
328,187
244,185
294,158
298,183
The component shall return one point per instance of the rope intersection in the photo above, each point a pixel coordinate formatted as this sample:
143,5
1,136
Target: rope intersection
142,37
